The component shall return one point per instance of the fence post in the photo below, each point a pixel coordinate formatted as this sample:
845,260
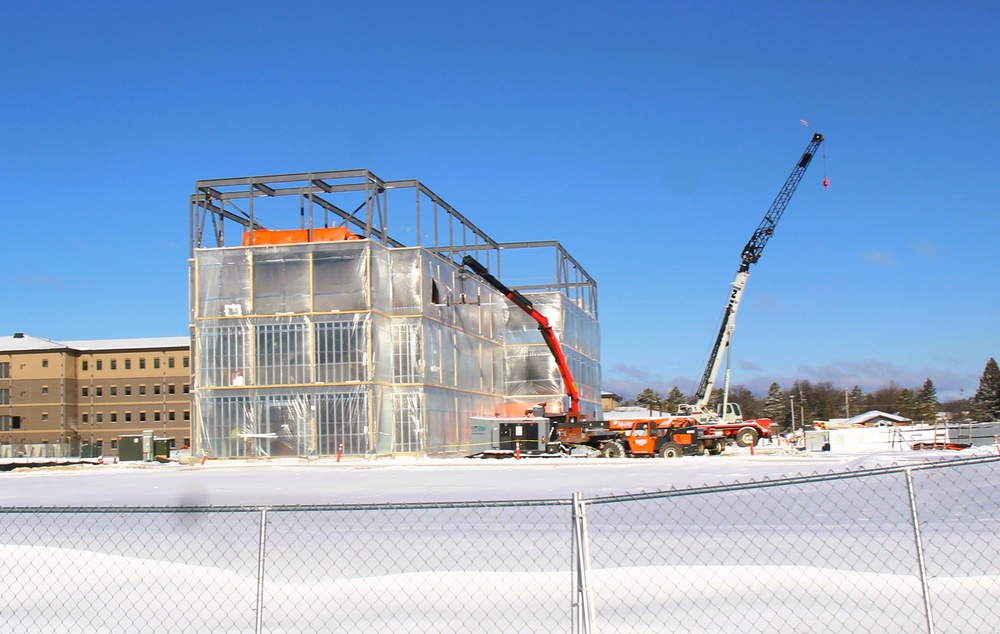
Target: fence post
259,625
583,605
921,562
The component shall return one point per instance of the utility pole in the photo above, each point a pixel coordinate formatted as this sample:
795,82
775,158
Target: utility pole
847,404
792,410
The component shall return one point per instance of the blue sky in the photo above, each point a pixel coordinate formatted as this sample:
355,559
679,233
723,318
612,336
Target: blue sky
649,138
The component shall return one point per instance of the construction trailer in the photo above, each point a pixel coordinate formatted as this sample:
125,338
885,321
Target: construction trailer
317,332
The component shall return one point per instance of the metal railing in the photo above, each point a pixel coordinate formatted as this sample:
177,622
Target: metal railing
894,549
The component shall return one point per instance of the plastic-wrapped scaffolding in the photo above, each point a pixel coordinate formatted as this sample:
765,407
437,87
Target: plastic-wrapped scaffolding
323,347
532,374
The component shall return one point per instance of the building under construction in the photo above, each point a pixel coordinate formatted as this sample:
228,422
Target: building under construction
330,314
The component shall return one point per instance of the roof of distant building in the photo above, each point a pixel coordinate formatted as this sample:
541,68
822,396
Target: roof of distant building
867,417
21,342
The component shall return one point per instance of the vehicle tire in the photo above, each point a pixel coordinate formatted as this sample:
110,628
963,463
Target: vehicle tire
670,450
746,436
717,447
612,449
699,449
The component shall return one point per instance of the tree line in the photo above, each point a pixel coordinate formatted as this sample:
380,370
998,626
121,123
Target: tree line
823,401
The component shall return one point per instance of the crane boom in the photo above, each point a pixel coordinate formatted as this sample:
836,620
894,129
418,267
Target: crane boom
548,334
751,253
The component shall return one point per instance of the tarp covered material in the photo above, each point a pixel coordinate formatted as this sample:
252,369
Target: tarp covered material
313,349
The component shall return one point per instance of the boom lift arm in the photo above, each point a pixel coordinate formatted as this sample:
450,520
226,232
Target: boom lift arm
548,334
751,253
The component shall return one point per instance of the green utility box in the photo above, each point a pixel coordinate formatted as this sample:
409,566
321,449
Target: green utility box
89,450
161,448
130,448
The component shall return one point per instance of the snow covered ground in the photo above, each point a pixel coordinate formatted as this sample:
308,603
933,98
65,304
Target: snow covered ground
834,557
358,481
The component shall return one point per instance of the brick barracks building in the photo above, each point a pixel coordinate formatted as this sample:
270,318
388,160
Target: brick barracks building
58,397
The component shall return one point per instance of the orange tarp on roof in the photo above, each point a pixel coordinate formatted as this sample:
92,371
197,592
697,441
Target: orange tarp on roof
295,236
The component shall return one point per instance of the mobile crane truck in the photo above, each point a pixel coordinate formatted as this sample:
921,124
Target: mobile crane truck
728,418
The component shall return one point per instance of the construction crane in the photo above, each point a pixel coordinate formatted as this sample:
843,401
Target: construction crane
548,334
751,253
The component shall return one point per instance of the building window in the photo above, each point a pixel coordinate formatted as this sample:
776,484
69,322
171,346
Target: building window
156,417
170,362
5,396
45,416
114,391
142,364
4,370
98,391
128,364
128,390
170,389
15,422
83,392
4,422
100,418
186,362
156,362
83,366
187,388
187,415
99,364
114,417
45,363
114,444
128,417
84,418
142,390
114,364
156,389
45,389
171,416
142,417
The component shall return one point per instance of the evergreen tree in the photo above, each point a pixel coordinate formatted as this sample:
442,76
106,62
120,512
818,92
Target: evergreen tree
855,402
906,403
649,399
675,398
776,405
986,402
926,403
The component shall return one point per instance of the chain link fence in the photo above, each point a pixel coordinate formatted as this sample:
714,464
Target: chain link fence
895,549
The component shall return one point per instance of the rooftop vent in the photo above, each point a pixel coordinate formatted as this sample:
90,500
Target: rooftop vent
19,335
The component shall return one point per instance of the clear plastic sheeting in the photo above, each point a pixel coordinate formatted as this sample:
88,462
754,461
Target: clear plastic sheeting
532,375
254,423
329,347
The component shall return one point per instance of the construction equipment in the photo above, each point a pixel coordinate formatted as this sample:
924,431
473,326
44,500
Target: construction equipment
542,433
728,418
650,438
548,334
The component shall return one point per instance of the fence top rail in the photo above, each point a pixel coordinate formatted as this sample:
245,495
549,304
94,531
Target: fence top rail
863,472
280,508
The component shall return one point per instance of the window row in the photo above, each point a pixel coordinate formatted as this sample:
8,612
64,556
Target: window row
113,363
127,417
127,390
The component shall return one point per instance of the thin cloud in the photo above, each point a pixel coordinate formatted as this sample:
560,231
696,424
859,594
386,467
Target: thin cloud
43,280
879,258
926,249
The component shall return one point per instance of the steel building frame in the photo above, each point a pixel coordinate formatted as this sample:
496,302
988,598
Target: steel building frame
331,199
